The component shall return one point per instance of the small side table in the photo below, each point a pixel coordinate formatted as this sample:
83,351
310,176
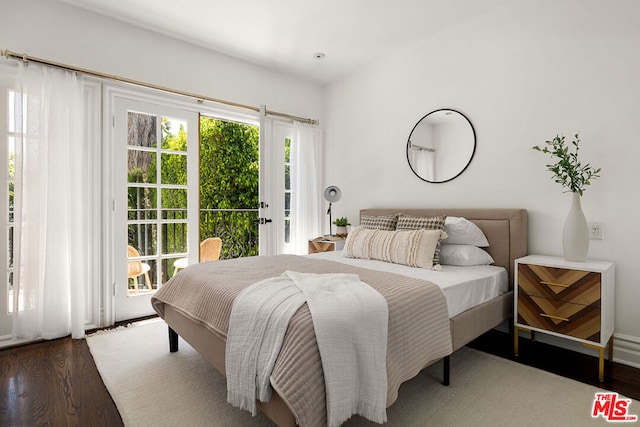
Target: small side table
326,244
571,300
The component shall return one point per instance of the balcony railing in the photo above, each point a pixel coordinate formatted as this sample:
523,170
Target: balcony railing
236,227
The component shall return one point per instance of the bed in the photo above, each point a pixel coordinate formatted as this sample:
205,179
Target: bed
505,229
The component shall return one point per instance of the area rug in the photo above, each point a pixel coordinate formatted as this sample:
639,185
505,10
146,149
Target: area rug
152,387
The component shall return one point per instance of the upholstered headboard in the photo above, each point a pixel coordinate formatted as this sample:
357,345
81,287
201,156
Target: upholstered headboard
506,229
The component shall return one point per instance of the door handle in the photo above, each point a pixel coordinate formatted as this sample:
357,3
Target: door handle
262,221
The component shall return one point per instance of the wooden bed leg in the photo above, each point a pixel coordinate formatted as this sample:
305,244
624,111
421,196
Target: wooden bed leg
446,372
173,340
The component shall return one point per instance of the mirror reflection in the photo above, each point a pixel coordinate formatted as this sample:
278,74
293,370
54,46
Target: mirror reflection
441,145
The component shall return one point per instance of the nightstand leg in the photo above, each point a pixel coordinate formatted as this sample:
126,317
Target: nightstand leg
611,349
601,366
600,361
516,334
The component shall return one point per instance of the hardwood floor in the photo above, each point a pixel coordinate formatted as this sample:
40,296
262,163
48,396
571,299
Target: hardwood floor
53,383
56,382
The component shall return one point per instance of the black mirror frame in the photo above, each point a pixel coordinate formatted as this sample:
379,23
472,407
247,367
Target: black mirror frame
475,142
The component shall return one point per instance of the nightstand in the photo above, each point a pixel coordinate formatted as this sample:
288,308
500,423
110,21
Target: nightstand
326,244
571,300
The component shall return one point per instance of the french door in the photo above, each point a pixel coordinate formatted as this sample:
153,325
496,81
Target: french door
156,199
179,179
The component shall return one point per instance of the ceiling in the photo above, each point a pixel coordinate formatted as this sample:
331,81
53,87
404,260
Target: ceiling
285,34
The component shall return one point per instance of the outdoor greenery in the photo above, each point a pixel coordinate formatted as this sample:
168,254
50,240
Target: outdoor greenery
228,165
568,171
229,177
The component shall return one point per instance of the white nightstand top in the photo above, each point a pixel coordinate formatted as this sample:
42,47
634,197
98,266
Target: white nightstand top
559,262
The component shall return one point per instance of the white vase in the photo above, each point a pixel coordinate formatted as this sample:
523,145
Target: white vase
575,234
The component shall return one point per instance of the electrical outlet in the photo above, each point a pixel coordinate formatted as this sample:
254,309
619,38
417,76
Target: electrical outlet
596,231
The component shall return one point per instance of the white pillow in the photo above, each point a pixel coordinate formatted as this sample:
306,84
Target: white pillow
461,231
464,255
414,248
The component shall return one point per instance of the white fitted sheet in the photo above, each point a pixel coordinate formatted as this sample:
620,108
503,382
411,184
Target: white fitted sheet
463,287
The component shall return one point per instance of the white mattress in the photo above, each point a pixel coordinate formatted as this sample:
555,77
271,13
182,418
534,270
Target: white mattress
463,287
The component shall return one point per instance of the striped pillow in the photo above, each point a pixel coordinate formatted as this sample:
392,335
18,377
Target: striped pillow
408,222
382,222
414,248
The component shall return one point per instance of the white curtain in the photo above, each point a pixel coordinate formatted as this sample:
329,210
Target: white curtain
51,204
305,186
424,163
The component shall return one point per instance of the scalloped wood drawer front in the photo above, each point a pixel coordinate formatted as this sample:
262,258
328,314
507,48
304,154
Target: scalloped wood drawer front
560,300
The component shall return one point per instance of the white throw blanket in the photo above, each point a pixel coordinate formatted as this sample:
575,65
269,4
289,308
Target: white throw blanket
350,321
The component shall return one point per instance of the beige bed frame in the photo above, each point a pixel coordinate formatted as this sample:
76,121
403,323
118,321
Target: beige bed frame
506,231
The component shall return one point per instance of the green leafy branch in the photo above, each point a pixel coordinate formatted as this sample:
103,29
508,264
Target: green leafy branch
568,171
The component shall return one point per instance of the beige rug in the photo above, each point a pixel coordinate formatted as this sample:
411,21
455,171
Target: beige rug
152,387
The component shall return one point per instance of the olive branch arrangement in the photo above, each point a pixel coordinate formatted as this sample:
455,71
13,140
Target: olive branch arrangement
568,171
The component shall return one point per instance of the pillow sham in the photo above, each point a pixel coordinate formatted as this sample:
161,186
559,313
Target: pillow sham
461,231
381,222
414,248
408,222
464,255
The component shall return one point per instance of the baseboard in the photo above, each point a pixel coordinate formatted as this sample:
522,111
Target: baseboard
626,350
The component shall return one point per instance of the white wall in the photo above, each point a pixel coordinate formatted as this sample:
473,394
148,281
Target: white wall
522,74
63,33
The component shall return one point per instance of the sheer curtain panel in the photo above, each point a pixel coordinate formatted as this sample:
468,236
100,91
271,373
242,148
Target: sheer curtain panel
305,185
51,203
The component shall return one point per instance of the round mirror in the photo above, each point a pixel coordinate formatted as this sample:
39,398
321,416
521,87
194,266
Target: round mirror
441,146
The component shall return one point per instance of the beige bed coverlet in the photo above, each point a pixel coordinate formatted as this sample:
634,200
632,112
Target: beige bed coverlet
418,322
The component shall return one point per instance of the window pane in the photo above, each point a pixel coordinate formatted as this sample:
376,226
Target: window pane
12,157
141,166
10,252
174,203
10,292
174,169
175,238
141,130
169,269
143,238
287,150
141,275
287,230
174,134
287,177
142,203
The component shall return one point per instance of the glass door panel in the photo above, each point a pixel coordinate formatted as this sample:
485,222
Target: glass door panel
159,184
